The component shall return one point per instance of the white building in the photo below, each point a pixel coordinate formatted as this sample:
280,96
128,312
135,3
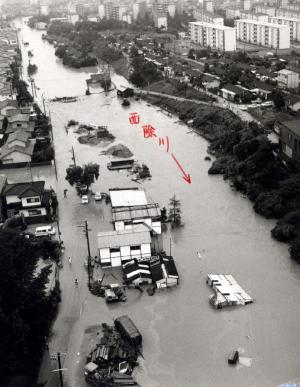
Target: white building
232,13
160,21
293,14
288,79
44,9
294,25
130,207
248,15
261,8
209,5
202,15
213,35
118,247
264,34
246,4
101,11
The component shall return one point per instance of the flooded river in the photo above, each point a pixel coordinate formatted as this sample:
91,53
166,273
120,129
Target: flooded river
186,342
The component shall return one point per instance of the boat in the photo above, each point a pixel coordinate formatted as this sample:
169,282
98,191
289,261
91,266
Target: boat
125,102
120,164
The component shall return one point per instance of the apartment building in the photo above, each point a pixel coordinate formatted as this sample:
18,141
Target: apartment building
262,8
202,15
232,13
249,15
265,34
213,35
294,25
289,13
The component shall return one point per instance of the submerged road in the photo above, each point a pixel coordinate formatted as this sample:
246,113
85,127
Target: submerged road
186,342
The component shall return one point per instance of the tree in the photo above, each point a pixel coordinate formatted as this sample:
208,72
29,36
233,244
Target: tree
31,69
85,175
278,99
26,312
175,211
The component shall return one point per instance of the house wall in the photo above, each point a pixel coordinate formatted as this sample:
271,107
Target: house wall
290,143
11,199
31,202
110,258
16,157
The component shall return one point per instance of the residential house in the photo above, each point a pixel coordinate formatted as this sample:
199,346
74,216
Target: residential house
26,199
163,271
233,93
125,92
289,138
18,121
288,79
210,81
262,90
17,155
293,102
118,247
130,207
18,138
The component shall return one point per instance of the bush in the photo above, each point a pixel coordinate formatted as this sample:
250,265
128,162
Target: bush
295,250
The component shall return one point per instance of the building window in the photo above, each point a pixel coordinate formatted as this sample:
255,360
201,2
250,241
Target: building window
34,212
115,250
32,200
135,248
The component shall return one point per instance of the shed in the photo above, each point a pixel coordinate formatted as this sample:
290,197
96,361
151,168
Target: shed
125,92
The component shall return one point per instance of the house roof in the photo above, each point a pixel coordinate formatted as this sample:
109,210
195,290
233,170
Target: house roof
26,189
156,270
263,86
293,126
170,266
19,117
116,239
127,197
286,72
136,212
18,135
233,88
2,182
5,151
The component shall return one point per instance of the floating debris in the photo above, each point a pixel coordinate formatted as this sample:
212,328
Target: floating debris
118,150
226,291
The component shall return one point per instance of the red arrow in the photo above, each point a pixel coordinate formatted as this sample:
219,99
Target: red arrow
186,177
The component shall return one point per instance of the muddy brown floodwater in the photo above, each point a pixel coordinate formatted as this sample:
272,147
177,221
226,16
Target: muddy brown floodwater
186,342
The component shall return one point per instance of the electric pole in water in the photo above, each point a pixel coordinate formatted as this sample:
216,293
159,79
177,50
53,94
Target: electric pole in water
86,232
57,357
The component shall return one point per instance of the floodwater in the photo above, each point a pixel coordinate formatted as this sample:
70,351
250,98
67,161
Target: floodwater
186,342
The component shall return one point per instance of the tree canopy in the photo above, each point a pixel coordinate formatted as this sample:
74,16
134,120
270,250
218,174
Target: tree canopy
26,312
85,175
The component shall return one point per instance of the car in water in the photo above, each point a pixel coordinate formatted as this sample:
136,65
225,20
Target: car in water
84,199
98,196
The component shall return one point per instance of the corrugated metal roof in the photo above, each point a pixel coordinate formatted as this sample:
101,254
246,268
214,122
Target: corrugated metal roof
138,212
116,239
127,197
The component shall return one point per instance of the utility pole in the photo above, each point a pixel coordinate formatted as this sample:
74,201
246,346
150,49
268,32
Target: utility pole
86,232
60,370
44,104
73,158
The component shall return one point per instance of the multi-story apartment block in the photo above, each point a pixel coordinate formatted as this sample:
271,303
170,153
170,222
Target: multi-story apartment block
232,13
261,8
202,15
249,15
213,35
293,14
294,25
265,34
160,20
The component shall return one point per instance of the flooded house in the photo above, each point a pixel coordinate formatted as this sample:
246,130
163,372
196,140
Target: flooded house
164,272
130,207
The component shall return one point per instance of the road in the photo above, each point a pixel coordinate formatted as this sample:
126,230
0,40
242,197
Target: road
221,102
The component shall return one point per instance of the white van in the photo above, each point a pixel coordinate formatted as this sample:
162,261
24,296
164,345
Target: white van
44,231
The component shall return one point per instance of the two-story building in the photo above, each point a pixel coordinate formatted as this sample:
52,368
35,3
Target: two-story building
288,79
26,199
289,138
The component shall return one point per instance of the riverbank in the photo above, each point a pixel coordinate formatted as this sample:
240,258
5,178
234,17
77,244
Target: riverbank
252,164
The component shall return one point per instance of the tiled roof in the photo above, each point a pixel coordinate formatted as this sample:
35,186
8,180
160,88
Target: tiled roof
23,189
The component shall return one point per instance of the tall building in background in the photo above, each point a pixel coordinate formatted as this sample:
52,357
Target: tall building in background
215,36
264,34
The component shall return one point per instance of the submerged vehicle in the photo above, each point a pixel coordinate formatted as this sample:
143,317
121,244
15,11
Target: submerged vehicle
125,102
128,330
